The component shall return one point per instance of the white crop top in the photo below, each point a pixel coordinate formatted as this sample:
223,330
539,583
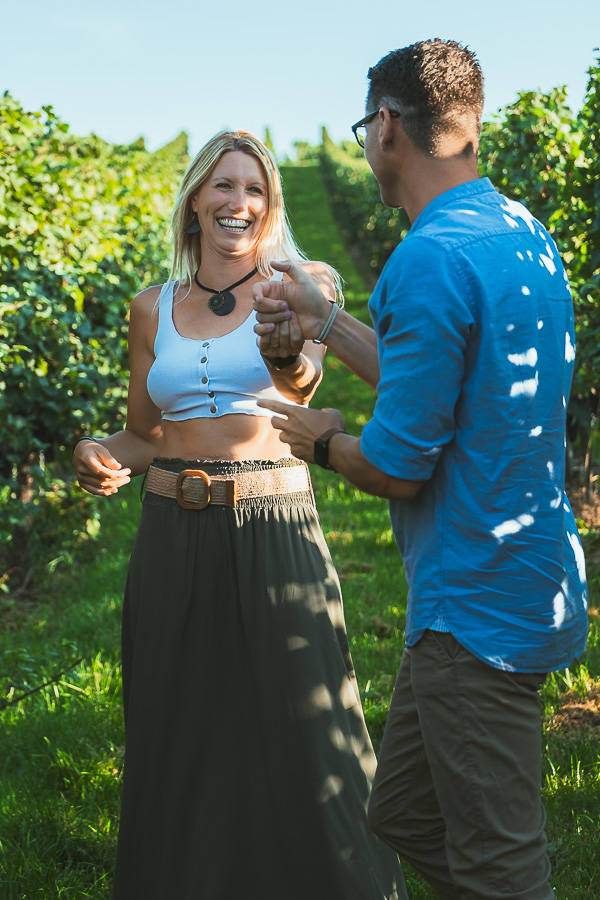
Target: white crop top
194,379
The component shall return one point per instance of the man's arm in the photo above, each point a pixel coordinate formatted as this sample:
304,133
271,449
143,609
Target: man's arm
301,427
351,341
355,344
347,458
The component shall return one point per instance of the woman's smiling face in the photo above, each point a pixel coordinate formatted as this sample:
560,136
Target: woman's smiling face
232,204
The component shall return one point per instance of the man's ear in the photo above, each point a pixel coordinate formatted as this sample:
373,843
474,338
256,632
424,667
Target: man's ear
386,129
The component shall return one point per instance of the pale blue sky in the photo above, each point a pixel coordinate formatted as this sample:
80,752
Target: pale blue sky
125,68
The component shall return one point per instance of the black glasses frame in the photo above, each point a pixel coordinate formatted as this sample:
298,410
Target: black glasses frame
369,118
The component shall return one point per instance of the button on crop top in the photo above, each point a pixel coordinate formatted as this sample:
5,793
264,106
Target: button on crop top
194,379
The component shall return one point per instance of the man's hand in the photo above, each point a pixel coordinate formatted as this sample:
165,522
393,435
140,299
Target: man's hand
274,300
302,426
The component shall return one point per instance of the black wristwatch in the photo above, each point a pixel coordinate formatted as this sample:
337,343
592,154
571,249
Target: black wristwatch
321,448
280,362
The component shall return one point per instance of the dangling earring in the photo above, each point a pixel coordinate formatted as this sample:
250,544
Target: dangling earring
194,225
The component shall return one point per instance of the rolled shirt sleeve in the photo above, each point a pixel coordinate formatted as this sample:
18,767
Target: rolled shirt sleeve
423,317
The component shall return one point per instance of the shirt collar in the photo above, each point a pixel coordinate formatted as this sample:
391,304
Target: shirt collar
464,191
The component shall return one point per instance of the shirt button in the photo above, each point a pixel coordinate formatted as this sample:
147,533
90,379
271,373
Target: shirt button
211,393
213,409
205,344
205,380
203,360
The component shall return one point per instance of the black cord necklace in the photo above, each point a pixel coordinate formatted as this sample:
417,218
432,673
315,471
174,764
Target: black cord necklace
223,302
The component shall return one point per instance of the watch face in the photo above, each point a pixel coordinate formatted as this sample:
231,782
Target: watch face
321,453
321,449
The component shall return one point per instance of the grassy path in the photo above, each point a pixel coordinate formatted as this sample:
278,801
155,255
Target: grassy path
313,224
61,750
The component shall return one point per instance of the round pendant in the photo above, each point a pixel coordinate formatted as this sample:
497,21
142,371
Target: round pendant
222,303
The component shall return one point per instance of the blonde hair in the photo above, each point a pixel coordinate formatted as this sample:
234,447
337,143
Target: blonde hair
275,241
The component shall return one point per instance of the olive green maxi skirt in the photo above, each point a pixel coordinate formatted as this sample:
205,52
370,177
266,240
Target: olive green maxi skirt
247,761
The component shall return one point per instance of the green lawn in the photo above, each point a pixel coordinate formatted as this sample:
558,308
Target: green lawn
61,749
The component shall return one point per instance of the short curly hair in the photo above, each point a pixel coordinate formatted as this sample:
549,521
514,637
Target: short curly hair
436,86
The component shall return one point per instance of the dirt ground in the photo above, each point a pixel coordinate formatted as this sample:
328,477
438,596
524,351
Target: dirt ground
587,510
579,715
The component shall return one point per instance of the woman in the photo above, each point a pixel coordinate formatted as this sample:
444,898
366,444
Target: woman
247,762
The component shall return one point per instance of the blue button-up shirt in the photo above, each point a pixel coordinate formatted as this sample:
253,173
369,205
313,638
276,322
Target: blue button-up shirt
474,322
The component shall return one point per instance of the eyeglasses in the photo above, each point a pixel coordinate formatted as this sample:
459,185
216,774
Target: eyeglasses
360,131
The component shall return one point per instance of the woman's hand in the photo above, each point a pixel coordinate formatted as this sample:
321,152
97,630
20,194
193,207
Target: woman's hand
98,472
304,295
284,339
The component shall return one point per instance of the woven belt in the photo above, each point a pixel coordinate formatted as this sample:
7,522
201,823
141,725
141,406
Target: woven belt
195,488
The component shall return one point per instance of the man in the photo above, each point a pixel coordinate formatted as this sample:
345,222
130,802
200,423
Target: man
472,356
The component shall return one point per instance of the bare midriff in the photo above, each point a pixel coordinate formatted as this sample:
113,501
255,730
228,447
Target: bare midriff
232,437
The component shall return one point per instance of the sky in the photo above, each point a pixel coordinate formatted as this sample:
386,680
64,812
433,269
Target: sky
126,68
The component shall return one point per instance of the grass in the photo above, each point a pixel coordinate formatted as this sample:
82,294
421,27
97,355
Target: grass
313,223
61,749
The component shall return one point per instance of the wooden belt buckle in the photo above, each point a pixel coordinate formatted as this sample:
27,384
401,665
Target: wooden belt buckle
192,473
230,495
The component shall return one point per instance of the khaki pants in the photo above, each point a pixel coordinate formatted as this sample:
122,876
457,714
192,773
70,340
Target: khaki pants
458,786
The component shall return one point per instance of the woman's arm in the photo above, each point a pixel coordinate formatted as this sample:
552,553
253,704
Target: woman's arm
104,465
300,380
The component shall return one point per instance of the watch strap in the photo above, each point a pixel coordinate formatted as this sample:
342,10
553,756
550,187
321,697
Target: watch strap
321,448
280,362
